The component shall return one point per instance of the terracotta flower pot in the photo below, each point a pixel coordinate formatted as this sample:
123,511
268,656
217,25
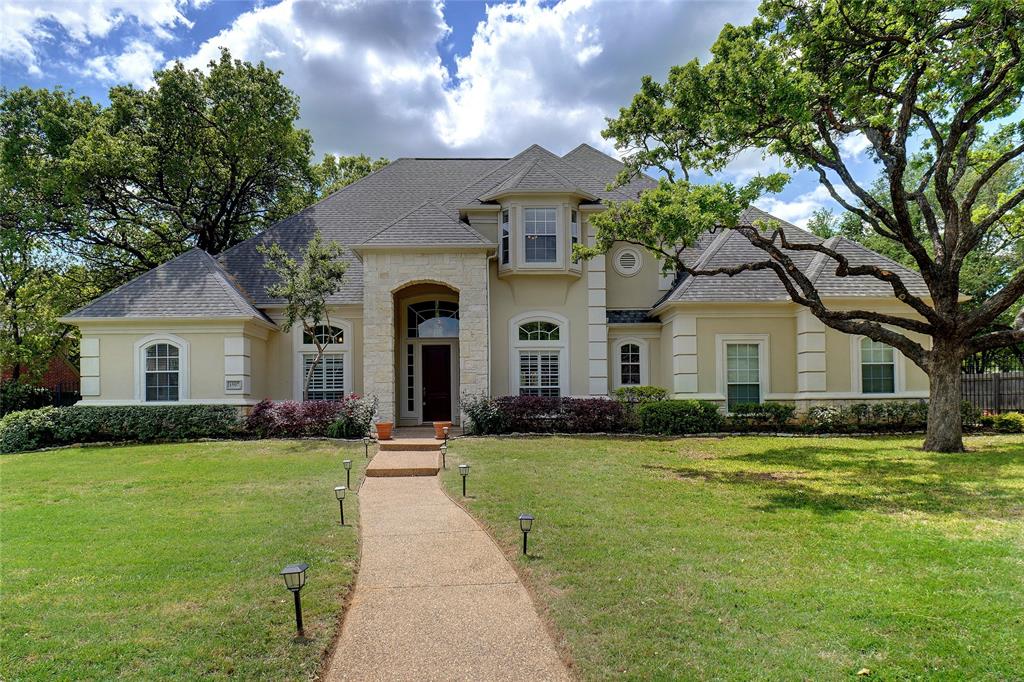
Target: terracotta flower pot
384,430
439,429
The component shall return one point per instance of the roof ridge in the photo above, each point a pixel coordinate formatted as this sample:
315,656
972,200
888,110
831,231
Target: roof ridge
817,265
396,220
487,175
230,288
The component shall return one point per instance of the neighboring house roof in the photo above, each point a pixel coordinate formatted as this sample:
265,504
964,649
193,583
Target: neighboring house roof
192,285
428,223
417,201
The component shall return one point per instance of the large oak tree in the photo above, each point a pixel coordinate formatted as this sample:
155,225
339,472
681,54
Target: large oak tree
932,88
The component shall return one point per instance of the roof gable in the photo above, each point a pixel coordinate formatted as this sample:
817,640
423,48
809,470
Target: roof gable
535,177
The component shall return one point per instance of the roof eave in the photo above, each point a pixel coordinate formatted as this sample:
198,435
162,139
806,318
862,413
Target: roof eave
262,321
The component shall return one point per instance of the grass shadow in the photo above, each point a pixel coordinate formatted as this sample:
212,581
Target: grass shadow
833,479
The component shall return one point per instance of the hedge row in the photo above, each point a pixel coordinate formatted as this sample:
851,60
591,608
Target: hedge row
49,426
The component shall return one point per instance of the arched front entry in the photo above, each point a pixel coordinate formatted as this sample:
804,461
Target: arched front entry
427,324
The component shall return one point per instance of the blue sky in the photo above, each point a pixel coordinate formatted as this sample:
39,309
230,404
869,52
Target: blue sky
402,78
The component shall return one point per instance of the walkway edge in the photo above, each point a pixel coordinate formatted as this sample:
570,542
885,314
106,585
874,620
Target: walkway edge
545,617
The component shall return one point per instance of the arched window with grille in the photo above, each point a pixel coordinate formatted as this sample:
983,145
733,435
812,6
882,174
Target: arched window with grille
433,319
161,369
629,357
539,363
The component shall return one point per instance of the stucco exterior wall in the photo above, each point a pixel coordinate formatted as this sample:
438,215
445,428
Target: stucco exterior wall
635,292
561,295
113,352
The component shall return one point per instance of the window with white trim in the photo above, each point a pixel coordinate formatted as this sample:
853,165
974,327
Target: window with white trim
877,367
325,335
539,373
539,363
742,374
505,236
574,233
327,381
162,373
629,364
539,330
540,235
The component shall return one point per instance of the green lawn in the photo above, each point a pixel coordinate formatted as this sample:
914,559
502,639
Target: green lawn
162,561
766,558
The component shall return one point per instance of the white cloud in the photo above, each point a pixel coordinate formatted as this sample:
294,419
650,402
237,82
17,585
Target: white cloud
799,209
368,74
135,65
371,80
26,24
551,73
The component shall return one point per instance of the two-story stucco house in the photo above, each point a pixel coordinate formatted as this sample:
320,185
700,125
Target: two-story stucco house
461,281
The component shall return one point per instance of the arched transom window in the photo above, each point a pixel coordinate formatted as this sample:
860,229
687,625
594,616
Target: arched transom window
433,319
162,373
325,335
539,331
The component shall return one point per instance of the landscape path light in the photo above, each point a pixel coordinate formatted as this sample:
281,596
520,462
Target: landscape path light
464,470
366,446
525,524
444,430
294,578
348,472
339,492
444,456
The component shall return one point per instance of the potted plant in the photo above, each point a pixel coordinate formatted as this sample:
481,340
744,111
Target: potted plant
439,429
384,430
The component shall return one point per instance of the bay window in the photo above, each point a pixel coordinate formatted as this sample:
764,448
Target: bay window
540,235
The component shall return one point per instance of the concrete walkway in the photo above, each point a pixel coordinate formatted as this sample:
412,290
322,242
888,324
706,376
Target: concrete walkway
435,598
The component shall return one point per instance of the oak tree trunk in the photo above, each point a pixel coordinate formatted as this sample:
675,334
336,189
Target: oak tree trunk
945,429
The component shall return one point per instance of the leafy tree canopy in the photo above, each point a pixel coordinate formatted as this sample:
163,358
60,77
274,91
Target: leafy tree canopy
933,87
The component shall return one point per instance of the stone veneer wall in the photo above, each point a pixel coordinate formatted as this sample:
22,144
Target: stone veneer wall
384,273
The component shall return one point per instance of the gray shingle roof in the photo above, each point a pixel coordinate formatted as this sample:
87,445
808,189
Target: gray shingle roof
535,176
428,223
600,165
730,248
191,285
417,201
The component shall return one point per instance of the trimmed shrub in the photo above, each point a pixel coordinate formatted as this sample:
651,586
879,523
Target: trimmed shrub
678,417
774,416
1010,422
349,417
32,429
634,395
483,414
354,419
535,414
826,419
16,396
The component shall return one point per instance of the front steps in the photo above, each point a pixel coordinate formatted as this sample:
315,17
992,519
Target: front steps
406,457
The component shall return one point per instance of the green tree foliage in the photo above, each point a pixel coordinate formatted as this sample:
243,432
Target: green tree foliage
38,282
305,284
932,86
201,159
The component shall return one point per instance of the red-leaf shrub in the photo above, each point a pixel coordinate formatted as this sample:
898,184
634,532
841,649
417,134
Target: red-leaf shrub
535,414
346,418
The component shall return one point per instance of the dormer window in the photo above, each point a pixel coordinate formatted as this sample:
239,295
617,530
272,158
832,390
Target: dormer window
505,234
575,231
540,235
